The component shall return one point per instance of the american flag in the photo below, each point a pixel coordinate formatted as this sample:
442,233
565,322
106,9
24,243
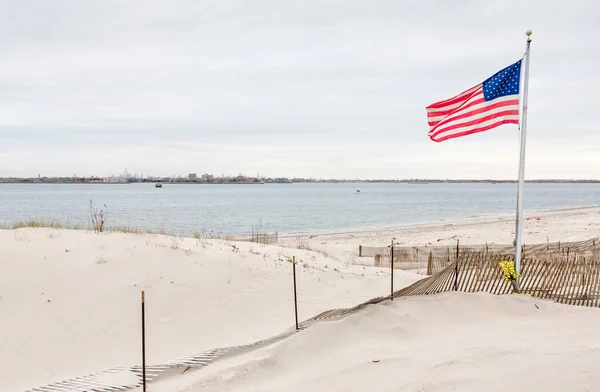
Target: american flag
485,106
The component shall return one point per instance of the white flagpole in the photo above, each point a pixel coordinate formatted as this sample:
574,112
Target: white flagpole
519,228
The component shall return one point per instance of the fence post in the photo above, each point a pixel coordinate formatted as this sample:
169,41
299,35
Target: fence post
295,297
457,248
584,269
456,276
456,267
143,345
359,250
430,264
392,271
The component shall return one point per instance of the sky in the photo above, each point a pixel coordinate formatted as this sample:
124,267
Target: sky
313,88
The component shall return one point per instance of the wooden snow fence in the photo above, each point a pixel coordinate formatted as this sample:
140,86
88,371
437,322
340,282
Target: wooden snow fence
430,260
571,280
427,262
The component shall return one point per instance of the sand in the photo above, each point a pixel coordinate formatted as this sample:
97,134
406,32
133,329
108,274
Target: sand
70,306
70,300
447,342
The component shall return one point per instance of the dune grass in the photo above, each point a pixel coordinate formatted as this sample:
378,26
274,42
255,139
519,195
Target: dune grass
205,235
136,230
304,245
35,222
41,223
38,223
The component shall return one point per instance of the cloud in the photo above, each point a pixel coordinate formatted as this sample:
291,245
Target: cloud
313,88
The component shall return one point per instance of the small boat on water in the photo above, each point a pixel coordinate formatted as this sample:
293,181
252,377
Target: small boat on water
357,191
158,185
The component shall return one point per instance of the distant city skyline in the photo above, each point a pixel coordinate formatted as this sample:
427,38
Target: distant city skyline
333,89
207,177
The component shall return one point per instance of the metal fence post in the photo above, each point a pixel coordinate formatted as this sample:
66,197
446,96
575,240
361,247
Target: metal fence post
295,296
456,266
143,345
392,271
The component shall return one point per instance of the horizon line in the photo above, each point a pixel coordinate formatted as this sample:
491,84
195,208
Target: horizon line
313,179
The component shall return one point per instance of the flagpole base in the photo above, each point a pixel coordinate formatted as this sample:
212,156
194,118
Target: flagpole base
515,286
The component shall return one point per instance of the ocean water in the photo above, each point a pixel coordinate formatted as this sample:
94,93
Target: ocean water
287,208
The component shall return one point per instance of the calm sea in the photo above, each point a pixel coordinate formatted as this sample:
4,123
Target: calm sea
287,208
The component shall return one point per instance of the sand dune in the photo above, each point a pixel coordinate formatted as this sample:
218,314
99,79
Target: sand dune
70,300
448,342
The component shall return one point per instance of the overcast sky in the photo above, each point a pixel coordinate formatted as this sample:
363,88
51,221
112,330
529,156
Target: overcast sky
321,88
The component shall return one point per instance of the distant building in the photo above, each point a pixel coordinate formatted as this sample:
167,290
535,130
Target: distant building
192,176
208,178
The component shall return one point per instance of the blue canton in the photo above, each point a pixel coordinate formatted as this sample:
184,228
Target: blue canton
505,82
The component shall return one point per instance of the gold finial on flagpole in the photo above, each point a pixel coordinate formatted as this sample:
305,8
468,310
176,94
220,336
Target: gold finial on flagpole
528,33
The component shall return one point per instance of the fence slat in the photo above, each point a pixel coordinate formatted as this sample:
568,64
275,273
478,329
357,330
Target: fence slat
489,273
572,284
560,267
540,275
580,281
596,284
562,282
442,283
594,276
500,278
462,270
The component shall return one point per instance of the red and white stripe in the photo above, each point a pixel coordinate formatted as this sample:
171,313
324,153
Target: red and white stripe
468,113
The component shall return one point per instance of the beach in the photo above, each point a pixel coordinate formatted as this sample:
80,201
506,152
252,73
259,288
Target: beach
574,224
70,306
